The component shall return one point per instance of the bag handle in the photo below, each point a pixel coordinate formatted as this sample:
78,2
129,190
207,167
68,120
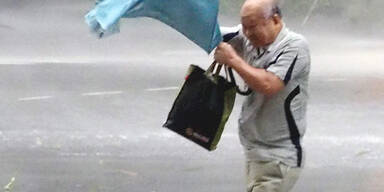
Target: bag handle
229,71
212,67
246,92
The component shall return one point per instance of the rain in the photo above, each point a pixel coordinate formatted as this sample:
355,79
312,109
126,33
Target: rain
80,113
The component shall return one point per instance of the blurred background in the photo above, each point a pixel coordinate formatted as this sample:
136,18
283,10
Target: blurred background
53,30
83,114
353,16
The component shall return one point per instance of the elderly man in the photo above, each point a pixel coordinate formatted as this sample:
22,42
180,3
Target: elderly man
274,62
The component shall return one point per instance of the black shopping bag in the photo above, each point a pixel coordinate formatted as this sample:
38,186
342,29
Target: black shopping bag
202,106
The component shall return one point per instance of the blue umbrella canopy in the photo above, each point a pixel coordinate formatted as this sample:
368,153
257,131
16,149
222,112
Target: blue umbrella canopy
195,19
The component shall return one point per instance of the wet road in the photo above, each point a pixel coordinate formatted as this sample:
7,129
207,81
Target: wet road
82,127
83,115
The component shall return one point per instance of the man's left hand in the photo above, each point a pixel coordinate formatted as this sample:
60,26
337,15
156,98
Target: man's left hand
225,54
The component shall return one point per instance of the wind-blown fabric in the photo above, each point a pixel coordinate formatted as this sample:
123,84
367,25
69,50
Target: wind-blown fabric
196,19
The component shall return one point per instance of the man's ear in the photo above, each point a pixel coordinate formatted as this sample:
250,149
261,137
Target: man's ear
276,19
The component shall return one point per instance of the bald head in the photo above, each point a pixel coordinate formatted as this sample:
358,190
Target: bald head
260,8
261,20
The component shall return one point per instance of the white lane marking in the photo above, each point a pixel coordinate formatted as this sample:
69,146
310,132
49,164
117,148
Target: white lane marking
162,89
34,98
73,154
335,80
331,139
102,93
183,52
341,140
126,172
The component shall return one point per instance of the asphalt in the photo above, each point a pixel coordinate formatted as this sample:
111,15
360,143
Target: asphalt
98,127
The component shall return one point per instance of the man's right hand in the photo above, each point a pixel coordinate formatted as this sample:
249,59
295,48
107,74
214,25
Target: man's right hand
226,54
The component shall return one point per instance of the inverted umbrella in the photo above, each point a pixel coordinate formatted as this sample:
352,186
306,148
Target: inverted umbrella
196,19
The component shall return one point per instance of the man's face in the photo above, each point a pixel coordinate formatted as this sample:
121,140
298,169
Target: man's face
259,30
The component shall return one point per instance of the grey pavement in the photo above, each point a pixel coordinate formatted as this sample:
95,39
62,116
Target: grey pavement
97,127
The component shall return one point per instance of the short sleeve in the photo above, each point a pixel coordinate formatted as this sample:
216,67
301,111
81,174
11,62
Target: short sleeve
290,63
233,36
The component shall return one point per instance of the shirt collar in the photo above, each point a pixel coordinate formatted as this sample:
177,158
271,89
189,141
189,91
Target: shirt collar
282,34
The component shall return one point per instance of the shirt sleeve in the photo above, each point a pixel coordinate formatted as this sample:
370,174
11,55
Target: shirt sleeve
290,63
233,36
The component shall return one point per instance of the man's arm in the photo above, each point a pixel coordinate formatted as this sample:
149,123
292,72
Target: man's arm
257,79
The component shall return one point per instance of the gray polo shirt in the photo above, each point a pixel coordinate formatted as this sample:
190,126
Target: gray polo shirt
271,128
